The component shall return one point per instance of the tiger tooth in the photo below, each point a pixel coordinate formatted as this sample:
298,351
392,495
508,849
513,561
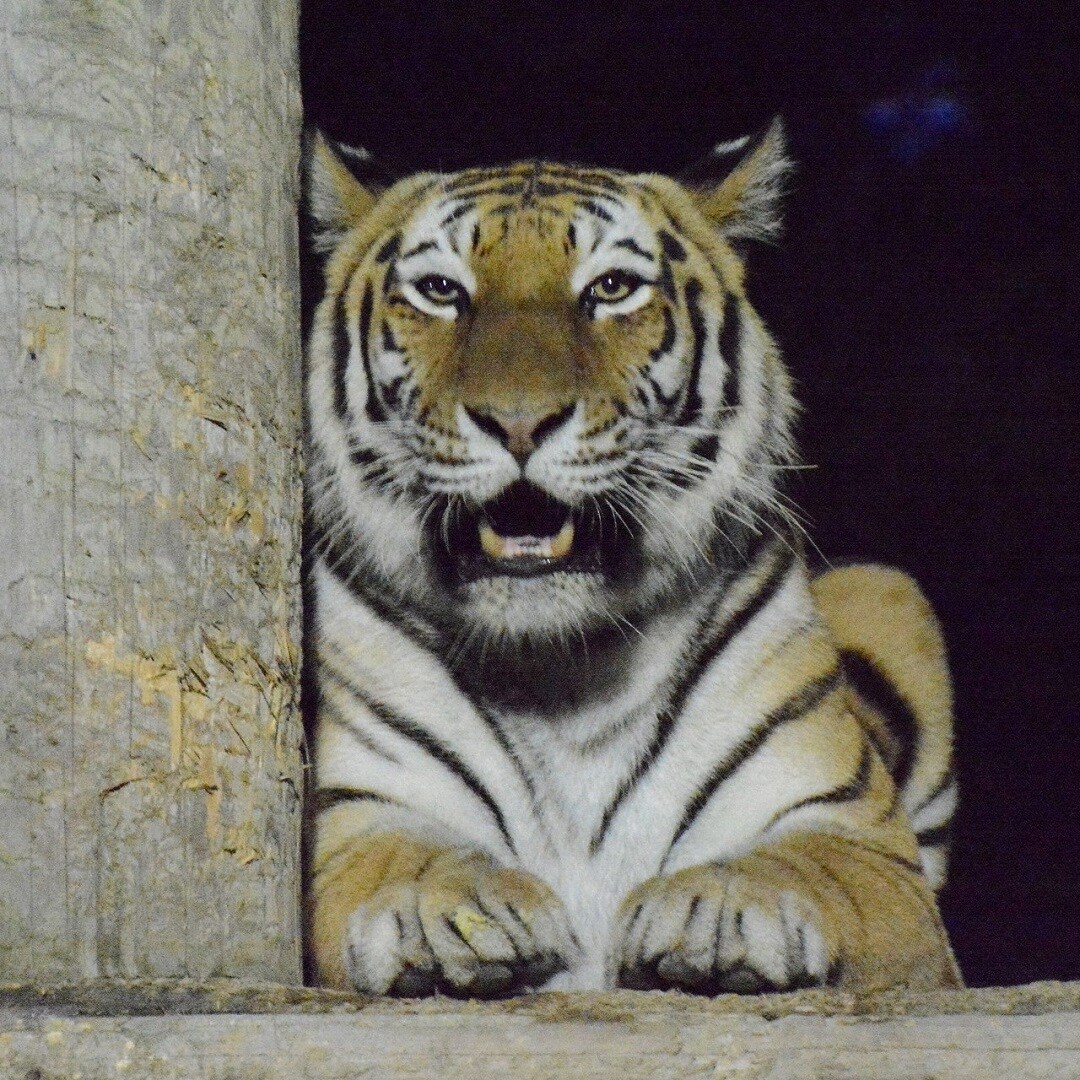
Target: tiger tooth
493,544
506,548
563,541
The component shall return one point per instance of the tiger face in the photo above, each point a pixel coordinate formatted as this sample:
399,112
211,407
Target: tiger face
540,401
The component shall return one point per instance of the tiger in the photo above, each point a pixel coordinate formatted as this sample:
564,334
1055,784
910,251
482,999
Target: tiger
586,719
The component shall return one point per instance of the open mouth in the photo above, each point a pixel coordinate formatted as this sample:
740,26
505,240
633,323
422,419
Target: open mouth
526,533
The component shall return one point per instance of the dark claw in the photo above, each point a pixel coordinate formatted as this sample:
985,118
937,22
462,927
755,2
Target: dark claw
539,969
492,980
414,983
673,973
740,979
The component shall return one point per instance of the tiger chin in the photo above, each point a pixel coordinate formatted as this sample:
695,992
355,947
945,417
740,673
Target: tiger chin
585,719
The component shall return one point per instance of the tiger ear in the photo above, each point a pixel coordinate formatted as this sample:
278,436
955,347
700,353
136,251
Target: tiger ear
740,185
343,184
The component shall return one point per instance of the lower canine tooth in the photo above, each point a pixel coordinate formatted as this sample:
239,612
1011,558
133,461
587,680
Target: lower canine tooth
493,544
563,541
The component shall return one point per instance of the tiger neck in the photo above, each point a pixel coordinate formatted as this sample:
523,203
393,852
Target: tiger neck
599,672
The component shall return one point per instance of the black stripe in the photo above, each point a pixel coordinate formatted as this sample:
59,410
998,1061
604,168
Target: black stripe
729,343
419,249
704,449
392,391
718,641
375,410
868,853
691,409
389,342
936,835
876,690
672,248
505,210
582,176
427,742
849,791
667,339
795,708
597,211
571,187
666,280
376,472
337,561
705,648
948,778
328,797
665,402
460,212
389,250
469,178
504,744
333,713
632,245
528,196
494,188
390,282
365,458
353,574
341,363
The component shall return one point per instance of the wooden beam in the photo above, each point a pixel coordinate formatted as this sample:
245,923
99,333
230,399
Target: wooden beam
218,1031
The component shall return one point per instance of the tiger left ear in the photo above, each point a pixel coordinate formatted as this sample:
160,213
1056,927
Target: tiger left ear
343,184
740,185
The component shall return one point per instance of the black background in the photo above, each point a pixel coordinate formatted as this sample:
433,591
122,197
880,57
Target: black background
924,294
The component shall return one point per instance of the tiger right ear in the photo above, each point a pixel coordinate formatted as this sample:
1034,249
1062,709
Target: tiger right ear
343,184
740,185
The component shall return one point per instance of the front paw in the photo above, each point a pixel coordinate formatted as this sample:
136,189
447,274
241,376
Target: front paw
463,926
744,928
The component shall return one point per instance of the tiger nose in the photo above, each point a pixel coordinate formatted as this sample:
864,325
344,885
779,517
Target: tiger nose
520,432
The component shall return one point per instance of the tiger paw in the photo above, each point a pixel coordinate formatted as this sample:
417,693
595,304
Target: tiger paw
745,928
464,927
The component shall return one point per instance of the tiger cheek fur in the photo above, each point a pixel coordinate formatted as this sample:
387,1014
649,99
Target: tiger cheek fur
584,717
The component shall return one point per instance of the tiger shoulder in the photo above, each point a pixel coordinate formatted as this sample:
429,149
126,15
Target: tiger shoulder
585,718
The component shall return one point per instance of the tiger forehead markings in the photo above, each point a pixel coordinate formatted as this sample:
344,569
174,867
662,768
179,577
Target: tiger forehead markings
584,717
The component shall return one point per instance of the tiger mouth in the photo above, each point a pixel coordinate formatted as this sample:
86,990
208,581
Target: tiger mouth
525,532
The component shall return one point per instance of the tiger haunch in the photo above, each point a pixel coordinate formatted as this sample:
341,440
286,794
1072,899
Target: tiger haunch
583,721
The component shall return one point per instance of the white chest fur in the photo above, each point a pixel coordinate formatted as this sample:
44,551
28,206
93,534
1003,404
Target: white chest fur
587,800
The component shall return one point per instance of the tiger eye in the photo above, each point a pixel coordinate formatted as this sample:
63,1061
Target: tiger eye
612,287
440,289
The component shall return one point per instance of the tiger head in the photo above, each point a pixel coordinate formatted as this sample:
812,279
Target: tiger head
540,403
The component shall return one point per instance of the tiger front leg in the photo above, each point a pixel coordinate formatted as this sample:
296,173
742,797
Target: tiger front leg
809,910
393,915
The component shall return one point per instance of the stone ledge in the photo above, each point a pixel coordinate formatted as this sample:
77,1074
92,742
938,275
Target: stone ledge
226,1031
